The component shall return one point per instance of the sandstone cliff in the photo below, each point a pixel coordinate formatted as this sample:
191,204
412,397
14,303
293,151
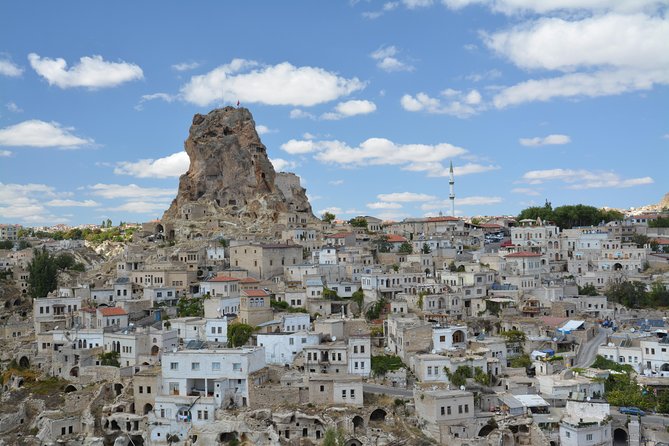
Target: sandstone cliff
230,176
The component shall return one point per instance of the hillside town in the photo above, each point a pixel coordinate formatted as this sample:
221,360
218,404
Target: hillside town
241,318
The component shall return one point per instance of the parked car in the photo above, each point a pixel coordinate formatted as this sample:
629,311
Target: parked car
632,411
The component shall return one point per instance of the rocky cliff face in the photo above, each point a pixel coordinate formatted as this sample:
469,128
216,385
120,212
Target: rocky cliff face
230,175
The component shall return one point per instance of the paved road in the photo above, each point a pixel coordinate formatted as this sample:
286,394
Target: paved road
386,390
646,419
588,351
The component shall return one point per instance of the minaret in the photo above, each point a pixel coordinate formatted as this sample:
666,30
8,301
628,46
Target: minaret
451,196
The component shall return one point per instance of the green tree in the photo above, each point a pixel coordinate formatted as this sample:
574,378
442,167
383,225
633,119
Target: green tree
110,358
426,249
190,307
374,312
459,377
239,334
640,240
23,244
588,290
451,266
382,244
328,217
521,361
405,248
383,364
43,273
358,222
6,244
359,298
64,260
630,294
660,222
334,437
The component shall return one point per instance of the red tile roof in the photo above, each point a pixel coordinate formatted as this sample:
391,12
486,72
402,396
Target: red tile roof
524,254
112,311
661,240
437,219
340,235
255,293
394,238
223,279
249,280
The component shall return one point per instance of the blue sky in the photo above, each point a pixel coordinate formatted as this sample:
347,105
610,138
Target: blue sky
367,101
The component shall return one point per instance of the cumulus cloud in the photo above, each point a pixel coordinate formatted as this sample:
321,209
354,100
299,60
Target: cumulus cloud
263,129
72,203
5,153
91,72
336,182
140,207
452,102
9,68
282,165
171,166
388,6
297,113
600,55
583,179
299,147
555,139
281,84
405,197
350,108
24,203
386,59
384,205
36,133
185,66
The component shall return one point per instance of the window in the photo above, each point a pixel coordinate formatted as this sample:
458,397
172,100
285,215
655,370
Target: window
448,410
322,388
362,349
236,366
174,366
443,410
141,389
148,389
343,393
195,366
352,392
460,408
215,366
588,437
567,434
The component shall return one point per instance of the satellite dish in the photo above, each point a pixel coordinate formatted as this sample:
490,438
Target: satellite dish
610,344
632,330
554,339
334,338
433,351
462,387
587,399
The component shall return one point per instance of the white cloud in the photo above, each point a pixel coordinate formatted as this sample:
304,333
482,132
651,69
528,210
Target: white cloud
91,72
542,6
524,191
171,166
350,108
413,4
583,179
281,84
332,209
405,197
488,75
454,103
5,153
72,203
282,165
295,147
296,113
185,66
9,68
36,133
336,182
388,6
23,203
12,107
131,191
601,55
466,201
355,107
554,139
384,205
166,97
386,59
263,129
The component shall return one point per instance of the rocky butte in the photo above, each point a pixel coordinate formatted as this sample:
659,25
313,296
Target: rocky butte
231,185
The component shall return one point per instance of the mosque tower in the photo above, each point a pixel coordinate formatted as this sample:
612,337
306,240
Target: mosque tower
451,196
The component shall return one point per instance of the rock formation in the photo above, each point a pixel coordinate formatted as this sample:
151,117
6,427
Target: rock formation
230,176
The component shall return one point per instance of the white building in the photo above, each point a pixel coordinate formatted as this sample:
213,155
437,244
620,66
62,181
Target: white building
586,424
282,348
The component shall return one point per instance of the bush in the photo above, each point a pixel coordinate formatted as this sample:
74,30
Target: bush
383,364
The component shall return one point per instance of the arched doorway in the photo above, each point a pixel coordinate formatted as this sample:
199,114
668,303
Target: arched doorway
74,371
70,388
353,442
24,362
665,367
155,350
617,267
458,336
378,415
227,437
147,408
485,430
118,388
358,425
619,437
